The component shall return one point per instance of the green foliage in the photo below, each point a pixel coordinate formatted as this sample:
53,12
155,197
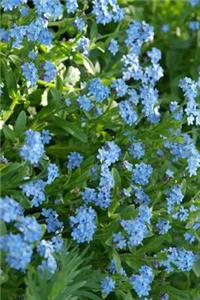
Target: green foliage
73,280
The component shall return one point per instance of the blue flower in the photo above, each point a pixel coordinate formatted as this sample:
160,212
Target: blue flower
142,283
127,165
51,218
174,198
142,173
113,47
139,32
177,111
127,113
120,87
83,45
11,4
24,11
149,97
144,213
4,35
83,224
112,269
151,74
189,237
74,160
10,210
53,173
194,2
165,27
32,54
30,72
106,178
141,196
46,136
46,249
57,243
18,251
133,96
33,149
35,190
136,230
137,150
163,226
107,11
89,195
119,240
51,10
80,23
182,214
103,198
194,25
107,285
190,90
109,153
155,55
186,149
17,34
48,265
99,91
179,258
84,103
71,6
37,31
50,71
30,229
131,66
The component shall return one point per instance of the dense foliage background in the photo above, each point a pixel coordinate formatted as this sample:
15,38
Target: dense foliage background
100,161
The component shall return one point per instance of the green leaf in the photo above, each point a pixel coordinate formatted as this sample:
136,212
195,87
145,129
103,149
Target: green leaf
70,281
117,260
196,268
20,123
72,129
9,133
86,62
12,176
73,76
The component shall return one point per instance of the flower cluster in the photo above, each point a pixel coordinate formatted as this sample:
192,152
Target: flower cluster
52,221
47,249
107,285
119,171
179,258
33,149
107,11
190,90
142,283
18,247
83,224
74,160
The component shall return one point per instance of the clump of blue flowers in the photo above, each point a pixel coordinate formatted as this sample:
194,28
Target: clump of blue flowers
142,283
107,285
33,149
83,224
74,160
100,149
179,258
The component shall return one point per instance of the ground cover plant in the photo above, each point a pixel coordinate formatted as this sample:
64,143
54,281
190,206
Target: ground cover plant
100,160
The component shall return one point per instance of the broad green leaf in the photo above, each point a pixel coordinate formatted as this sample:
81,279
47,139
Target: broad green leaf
20,123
